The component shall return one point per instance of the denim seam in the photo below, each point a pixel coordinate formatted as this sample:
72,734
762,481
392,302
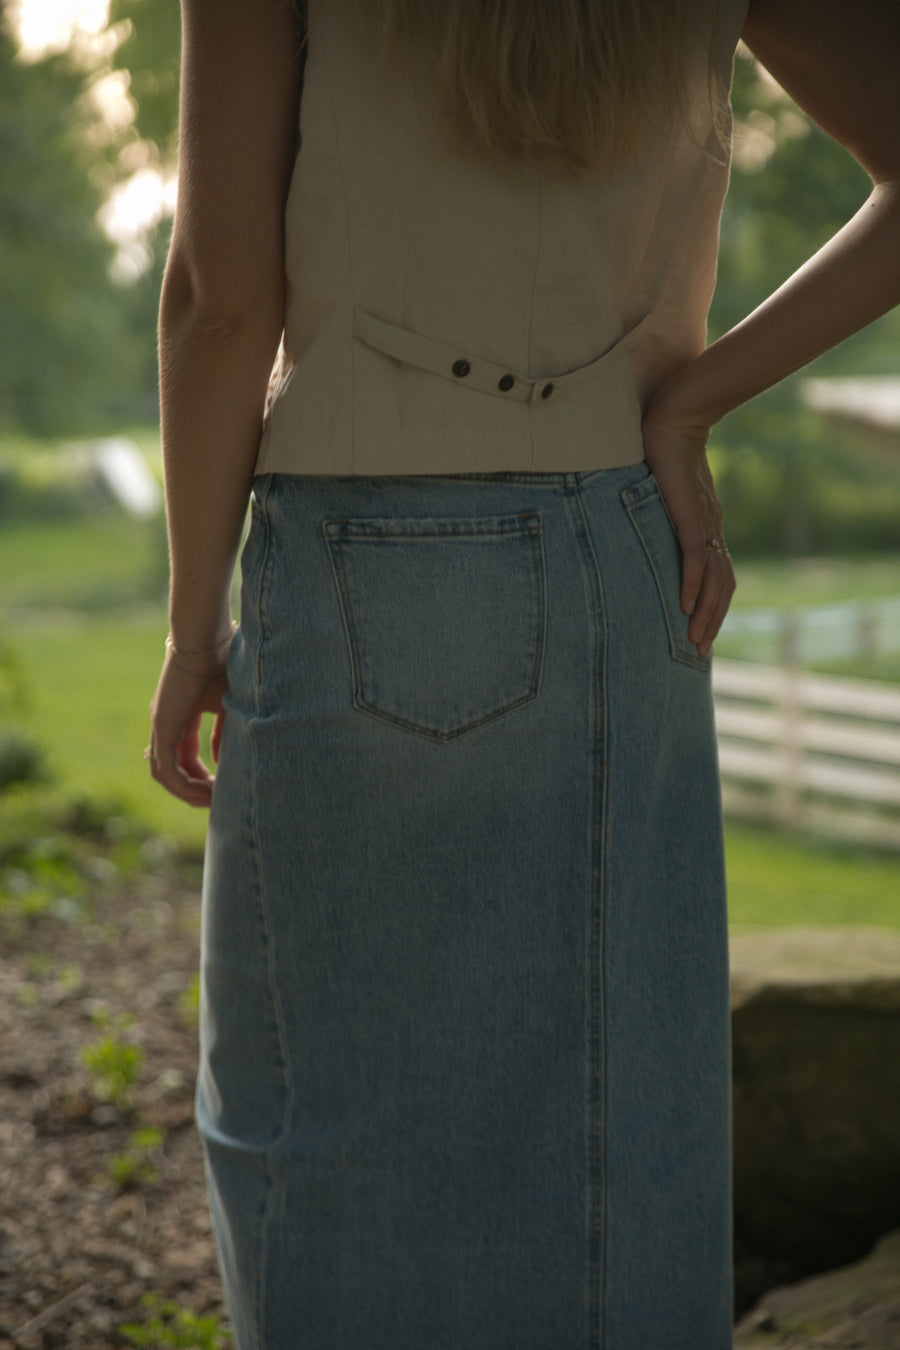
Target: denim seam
632,503
594,983
523,477
335,553
262,493
352,531
280,1055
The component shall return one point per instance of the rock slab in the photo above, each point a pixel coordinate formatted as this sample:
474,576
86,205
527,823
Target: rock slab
816,1036
855,1308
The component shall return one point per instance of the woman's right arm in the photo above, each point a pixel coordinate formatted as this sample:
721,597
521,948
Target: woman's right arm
840,61
221,319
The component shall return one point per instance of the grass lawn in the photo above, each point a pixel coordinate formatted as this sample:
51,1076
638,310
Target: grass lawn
791,583
89,564
90,682
782,879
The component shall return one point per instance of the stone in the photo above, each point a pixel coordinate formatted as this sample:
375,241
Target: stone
816,1034
854,1308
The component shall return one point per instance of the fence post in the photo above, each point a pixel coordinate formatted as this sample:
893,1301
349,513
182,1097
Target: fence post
788,793
866,631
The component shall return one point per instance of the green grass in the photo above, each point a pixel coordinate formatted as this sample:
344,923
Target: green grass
90,681
779,880
790,583
102,561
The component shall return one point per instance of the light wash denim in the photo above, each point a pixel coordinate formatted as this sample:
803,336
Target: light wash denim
465,1056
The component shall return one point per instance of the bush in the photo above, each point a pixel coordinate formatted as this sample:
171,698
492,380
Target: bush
21,760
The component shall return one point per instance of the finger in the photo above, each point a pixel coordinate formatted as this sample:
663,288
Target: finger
706,601
729,586
188,755
196,791
215,741
176,764
693,570
713,603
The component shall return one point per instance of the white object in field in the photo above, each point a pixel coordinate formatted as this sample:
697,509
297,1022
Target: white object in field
874,399
124,471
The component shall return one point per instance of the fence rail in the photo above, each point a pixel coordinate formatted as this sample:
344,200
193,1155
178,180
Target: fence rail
853,629
809,751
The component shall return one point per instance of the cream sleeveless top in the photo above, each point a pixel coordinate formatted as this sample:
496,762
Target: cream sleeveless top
446,315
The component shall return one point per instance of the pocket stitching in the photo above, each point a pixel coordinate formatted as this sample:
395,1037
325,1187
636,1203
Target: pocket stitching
529,524
632,500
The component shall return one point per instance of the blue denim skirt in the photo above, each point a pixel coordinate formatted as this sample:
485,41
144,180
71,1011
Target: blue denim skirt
465,1035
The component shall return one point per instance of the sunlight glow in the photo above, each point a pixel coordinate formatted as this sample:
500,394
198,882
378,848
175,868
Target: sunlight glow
133,208
137,204
44,26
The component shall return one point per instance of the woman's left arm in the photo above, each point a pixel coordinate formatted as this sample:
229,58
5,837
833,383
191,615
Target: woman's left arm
838,59
221,319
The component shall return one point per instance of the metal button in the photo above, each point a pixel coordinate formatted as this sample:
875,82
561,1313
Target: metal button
461,369
547,390
506,383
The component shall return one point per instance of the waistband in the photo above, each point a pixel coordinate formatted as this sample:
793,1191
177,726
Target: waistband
622,477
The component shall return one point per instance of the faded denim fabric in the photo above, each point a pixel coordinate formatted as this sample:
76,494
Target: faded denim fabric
465,1059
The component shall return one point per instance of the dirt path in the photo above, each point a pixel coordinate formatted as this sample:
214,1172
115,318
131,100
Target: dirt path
79,1246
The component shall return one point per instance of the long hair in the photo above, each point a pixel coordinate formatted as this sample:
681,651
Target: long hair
582,83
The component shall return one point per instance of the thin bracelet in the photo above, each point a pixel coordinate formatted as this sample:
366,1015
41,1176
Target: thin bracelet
205,655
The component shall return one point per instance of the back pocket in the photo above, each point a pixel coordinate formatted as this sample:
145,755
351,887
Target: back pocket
657,534
444,618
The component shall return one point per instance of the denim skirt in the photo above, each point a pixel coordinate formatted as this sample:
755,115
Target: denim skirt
465,1077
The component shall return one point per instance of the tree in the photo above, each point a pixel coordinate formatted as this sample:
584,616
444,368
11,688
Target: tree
68,354
792,187
150,53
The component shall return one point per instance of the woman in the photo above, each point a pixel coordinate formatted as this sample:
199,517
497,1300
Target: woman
465,1077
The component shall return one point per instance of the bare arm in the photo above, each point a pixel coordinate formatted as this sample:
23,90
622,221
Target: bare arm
221,319
223,296
839,61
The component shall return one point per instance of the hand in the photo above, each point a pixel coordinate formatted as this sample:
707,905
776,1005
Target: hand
186,690
675,451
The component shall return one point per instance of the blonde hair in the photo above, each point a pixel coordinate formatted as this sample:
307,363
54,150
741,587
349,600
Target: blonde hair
582,83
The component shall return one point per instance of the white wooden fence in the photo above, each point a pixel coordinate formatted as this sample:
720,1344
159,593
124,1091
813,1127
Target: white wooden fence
809,751
860,629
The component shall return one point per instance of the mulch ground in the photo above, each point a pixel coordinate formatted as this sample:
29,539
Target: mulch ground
84,1237
80,1247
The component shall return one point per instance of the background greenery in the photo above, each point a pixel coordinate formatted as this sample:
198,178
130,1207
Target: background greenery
77,348
82,613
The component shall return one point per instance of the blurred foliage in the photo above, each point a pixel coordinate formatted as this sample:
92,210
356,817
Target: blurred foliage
59,320
73,345
791,188
77,350
22,760
150,53
790,482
